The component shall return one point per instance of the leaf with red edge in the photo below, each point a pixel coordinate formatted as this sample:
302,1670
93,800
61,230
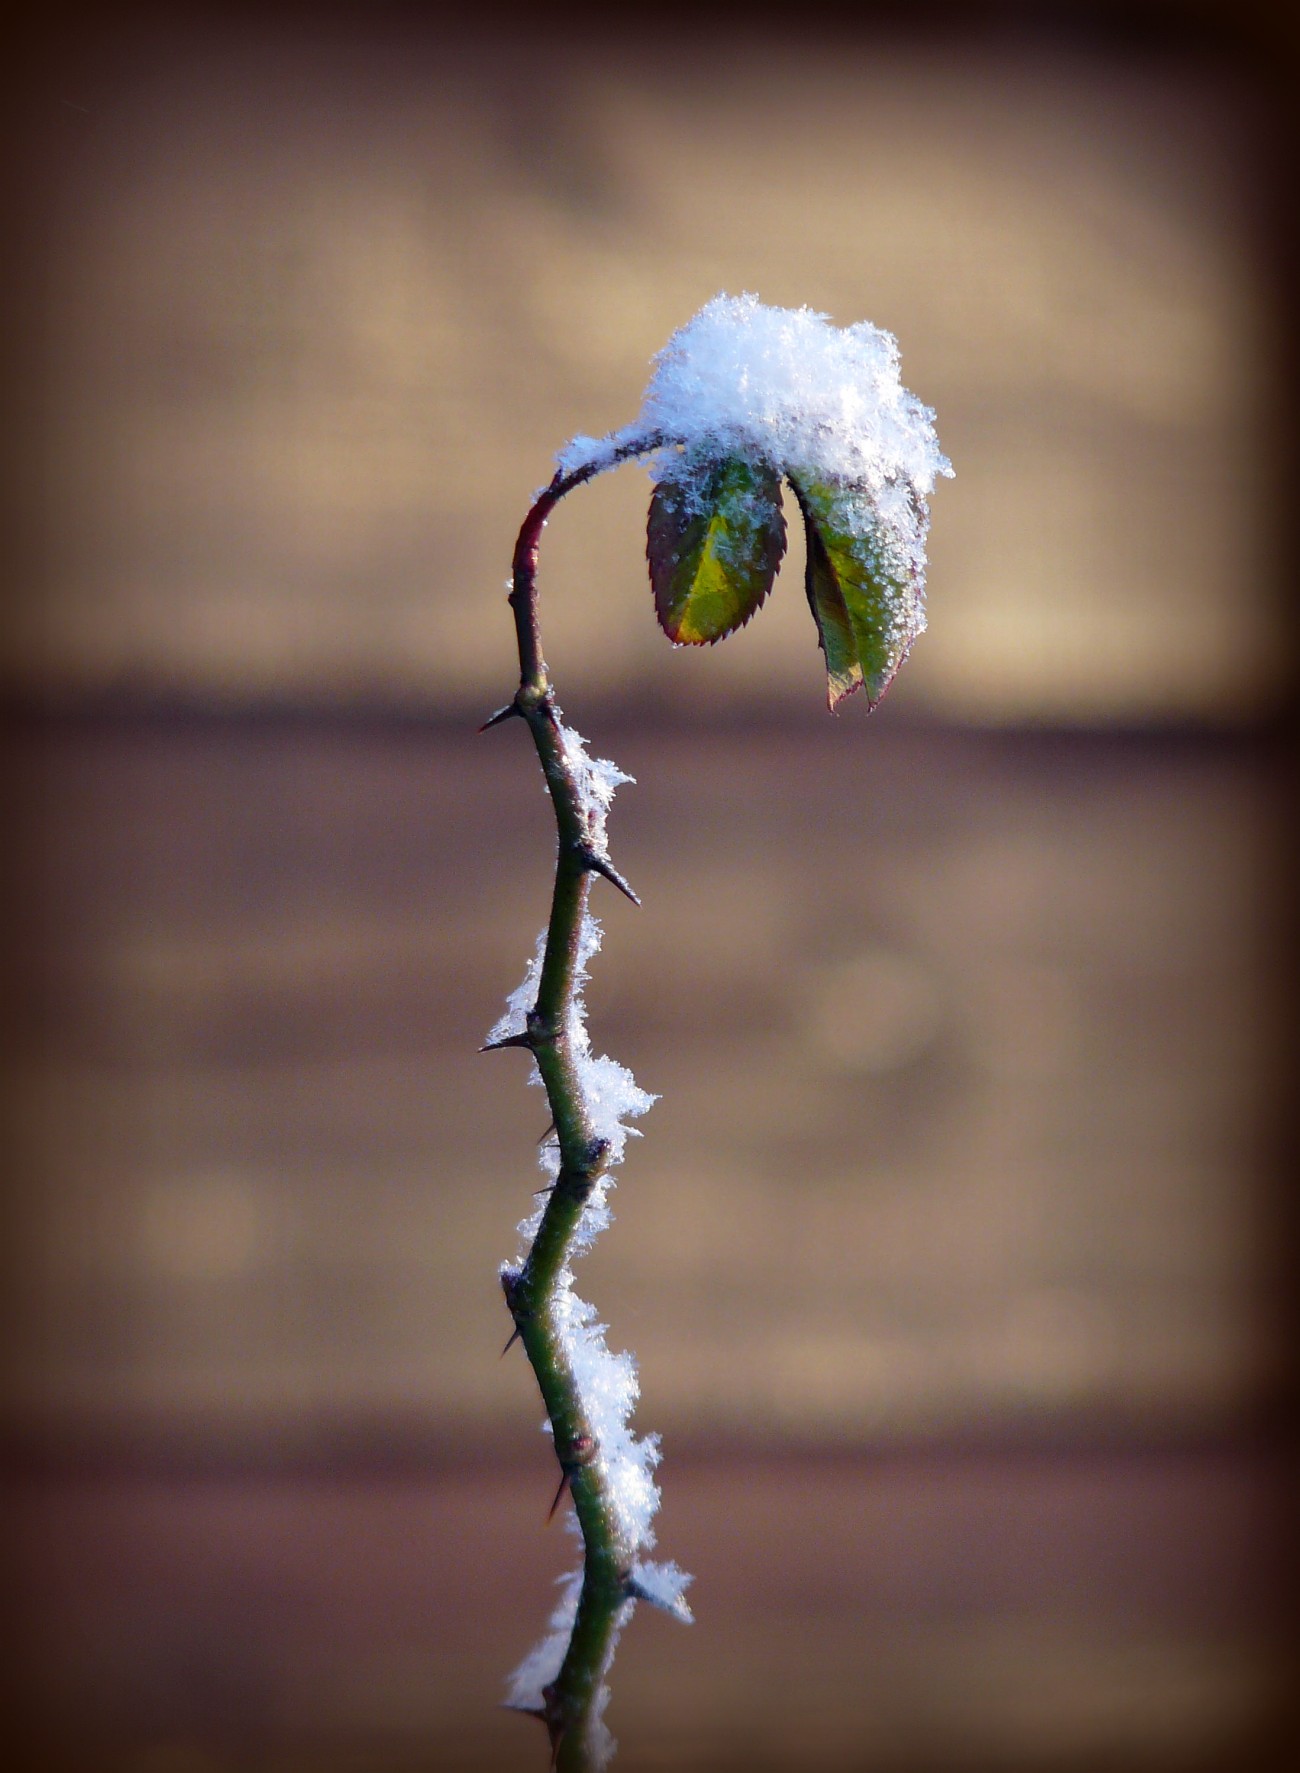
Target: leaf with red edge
715,538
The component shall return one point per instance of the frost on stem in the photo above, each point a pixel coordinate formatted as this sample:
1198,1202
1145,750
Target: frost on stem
662,1585
596,779
609,1090
527,1690
605,1382
612,1095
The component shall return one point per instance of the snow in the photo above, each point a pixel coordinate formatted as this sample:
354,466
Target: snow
820,404
785,386
583,454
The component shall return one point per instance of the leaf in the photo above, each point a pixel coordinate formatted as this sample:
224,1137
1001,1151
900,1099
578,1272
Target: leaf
714,541
864,598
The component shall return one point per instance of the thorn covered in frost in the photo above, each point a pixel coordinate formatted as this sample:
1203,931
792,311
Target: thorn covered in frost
538,1670
595,863
549,1714
508,1040
511,1286
511,710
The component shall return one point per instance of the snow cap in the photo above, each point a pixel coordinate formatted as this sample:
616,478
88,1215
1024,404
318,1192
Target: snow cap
787,385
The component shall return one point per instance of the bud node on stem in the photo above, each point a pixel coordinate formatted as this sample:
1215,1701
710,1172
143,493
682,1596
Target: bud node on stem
543,1030
533,697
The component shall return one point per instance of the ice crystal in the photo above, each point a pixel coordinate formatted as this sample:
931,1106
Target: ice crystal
663,1585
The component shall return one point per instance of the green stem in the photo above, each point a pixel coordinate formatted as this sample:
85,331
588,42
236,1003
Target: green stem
532,1292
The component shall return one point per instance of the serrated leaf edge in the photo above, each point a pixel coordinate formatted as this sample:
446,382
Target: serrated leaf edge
778,554
818,556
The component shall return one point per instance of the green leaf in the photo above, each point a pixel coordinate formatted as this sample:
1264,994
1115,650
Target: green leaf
863,597
714,541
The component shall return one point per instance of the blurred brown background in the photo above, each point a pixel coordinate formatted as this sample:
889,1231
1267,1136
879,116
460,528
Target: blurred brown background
955,1254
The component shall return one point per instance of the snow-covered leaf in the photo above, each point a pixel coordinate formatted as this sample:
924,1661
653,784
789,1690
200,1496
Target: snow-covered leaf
864,592
715,539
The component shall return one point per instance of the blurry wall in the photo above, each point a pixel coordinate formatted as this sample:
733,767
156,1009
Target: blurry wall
317,304
963,1028
954,1253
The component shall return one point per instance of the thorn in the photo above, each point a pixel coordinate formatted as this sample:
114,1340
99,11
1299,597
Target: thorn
546,1135
597,864
554,1719
511,708
545,1714
539,1192
564,1478
515,1335
510,1040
